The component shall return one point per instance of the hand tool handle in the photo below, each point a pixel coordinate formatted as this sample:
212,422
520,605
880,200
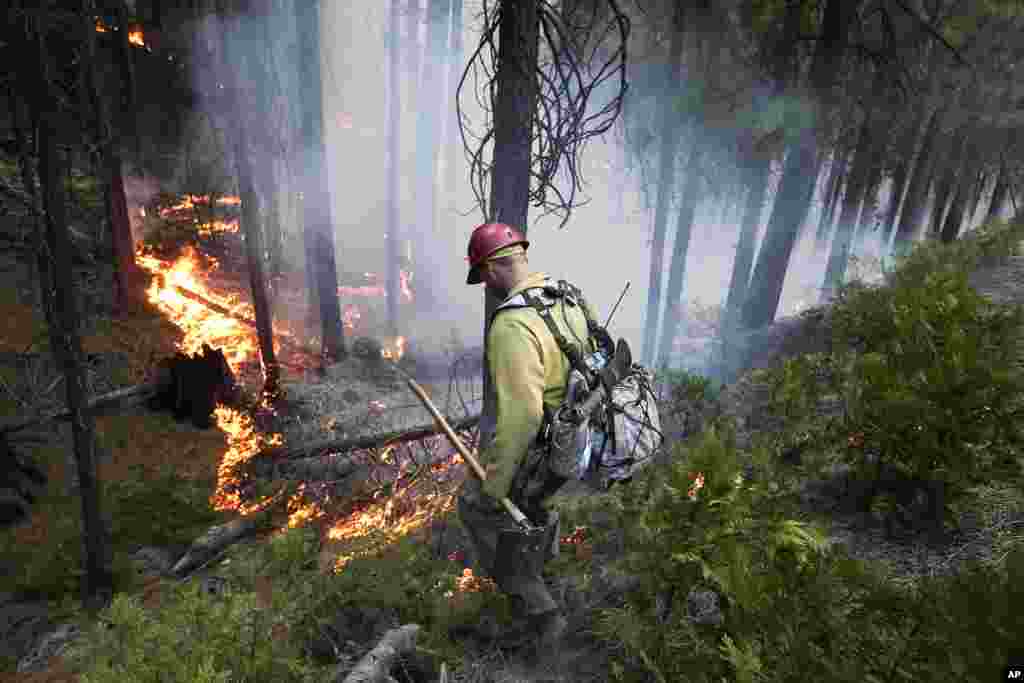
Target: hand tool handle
516,513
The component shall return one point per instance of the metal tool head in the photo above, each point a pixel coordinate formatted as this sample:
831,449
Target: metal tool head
522,552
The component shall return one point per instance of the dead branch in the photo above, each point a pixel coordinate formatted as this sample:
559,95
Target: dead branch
115,401
376,665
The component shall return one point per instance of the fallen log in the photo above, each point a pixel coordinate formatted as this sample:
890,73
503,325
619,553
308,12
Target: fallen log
115,401
218,538
377,664
327,446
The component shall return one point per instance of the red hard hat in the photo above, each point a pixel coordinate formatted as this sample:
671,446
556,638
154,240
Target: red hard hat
487,239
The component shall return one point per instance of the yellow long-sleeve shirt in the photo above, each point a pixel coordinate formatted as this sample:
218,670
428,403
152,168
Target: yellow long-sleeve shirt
528,371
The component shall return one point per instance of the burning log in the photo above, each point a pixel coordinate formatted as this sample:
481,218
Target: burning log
377,664
223,310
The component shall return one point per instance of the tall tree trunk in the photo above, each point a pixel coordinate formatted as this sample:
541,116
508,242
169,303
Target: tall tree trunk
97,588
245,100
669,137
839,252
453,147
946,182
428,131
127,276
833,191
919,185
129,86
955,218
516,99
999,195
757,172
393,181
680,252
318,227
799,176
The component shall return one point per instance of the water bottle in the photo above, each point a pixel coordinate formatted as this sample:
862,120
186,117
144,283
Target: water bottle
596,361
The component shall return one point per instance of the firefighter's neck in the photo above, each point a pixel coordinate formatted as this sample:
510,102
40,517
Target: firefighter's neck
506,275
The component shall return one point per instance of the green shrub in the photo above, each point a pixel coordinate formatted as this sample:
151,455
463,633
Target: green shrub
191,637
930,372
794,608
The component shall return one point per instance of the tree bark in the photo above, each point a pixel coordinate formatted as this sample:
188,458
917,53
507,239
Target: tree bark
317,197
947,181
669,137
518,35
376,665
97,588
919,185
1000,193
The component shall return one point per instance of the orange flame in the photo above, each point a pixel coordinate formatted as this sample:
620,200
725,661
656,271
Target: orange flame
136,38
394,351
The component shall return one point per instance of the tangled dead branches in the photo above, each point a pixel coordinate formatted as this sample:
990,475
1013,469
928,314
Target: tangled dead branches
580,77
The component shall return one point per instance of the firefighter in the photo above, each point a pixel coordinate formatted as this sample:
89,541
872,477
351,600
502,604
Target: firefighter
528,373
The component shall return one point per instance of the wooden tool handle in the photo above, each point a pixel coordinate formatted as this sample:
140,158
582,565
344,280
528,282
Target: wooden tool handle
516,513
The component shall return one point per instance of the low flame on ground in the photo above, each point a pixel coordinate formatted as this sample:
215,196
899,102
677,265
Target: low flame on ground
409,507
373,289
136,38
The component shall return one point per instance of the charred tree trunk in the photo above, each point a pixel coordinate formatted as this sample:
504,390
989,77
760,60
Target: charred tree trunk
97,588
669,137
919,185
428,131
317,197
518,34
393,236
680,252
129,87
955,218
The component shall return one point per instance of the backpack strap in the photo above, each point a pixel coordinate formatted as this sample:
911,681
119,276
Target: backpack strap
544,311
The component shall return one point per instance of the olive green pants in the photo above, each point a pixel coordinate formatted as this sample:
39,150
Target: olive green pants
484,520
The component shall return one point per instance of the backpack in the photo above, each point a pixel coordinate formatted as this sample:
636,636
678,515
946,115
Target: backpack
623,434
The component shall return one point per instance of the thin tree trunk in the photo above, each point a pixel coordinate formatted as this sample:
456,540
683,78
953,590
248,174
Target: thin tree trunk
669,137
317,196
680,252
452,149
129,87
839,252
955,218
758,184
97,588
919,185
394,229
245,101
518,35
428,131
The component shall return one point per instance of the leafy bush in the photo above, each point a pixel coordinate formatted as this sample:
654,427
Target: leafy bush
794,609
192,637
